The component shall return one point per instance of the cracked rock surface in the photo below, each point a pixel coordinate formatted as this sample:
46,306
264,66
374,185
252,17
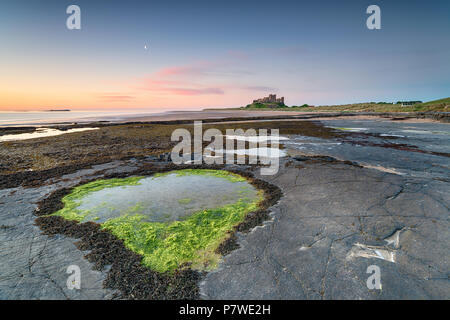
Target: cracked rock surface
333,222
33,265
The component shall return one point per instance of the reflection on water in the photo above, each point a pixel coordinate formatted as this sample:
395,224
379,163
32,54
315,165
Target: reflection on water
166,198
45,117
257,139
353,129
262,152
41,133
366,146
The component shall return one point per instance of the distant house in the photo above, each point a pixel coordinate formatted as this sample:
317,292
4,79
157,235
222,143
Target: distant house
408,103
272,98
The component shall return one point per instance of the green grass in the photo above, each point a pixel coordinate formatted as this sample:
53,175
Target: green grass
165,246
436,105
435,102
259,105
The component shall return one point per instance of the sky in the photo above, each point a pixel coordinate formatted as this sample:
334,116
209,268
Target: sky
198,54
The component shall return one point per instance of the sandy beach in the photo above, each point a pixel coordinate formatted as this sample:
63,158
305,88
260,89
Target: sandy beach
274,114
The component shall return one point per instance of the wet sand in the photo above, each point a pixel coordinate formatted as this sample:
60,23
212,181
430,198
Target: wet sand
208,114
274,114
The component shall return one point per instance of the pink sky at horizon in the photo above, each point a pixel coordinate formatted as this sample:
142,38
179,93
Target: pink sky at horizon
197,85
150,55
230,78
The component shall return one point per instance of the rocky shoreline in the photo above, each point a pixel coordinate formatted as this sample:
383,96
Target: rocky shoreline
313,238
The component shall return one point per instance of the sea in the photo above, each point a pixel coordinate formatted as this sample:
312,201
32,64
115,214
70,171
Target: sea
37,118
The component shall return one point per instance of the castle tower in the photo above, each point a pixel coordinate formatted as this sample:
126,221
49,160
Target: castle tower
272,97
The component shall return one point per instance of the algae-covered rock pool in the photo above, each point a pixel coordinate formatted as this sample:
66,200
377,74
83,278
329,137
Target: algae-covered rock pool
171,219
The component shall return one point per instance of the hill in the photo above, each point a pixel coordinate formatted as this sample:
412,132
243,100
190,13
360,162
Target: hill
441,105
445,101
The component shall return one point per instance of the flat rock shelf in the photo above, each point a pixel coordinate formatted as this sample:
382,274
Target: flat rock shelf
171,219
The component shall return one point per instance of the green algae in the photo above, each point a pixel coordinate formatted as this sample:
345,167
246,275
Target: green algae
72,200
166,246
185,201
232,177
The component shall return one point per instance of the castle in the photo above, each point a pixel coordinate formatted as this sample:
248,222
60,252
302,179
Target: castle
272,98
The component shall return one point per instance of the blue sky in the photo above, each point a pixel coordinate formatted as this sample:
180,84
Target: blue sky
215,53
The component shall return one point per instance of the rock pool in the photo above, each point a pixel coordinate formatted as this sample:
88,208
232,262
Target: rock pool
171,219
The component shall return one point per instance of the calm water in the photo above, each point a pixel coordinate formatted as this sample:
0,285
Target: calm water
40,133
166,198
38,118
367,149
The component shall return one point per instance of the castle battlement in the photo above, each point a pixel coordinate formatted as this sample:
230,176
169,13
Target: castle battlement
272,98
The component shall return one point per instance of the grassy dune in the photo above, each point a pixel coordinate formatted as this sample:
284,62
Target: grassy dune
445,101
441,105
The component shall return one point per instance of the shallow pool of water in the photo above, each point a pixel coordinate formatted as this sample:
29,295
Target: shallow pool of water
421,158
165,198
41,133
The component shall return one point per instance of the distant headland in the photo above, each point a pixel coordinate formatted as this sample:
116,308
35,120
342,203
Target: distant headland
272,102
